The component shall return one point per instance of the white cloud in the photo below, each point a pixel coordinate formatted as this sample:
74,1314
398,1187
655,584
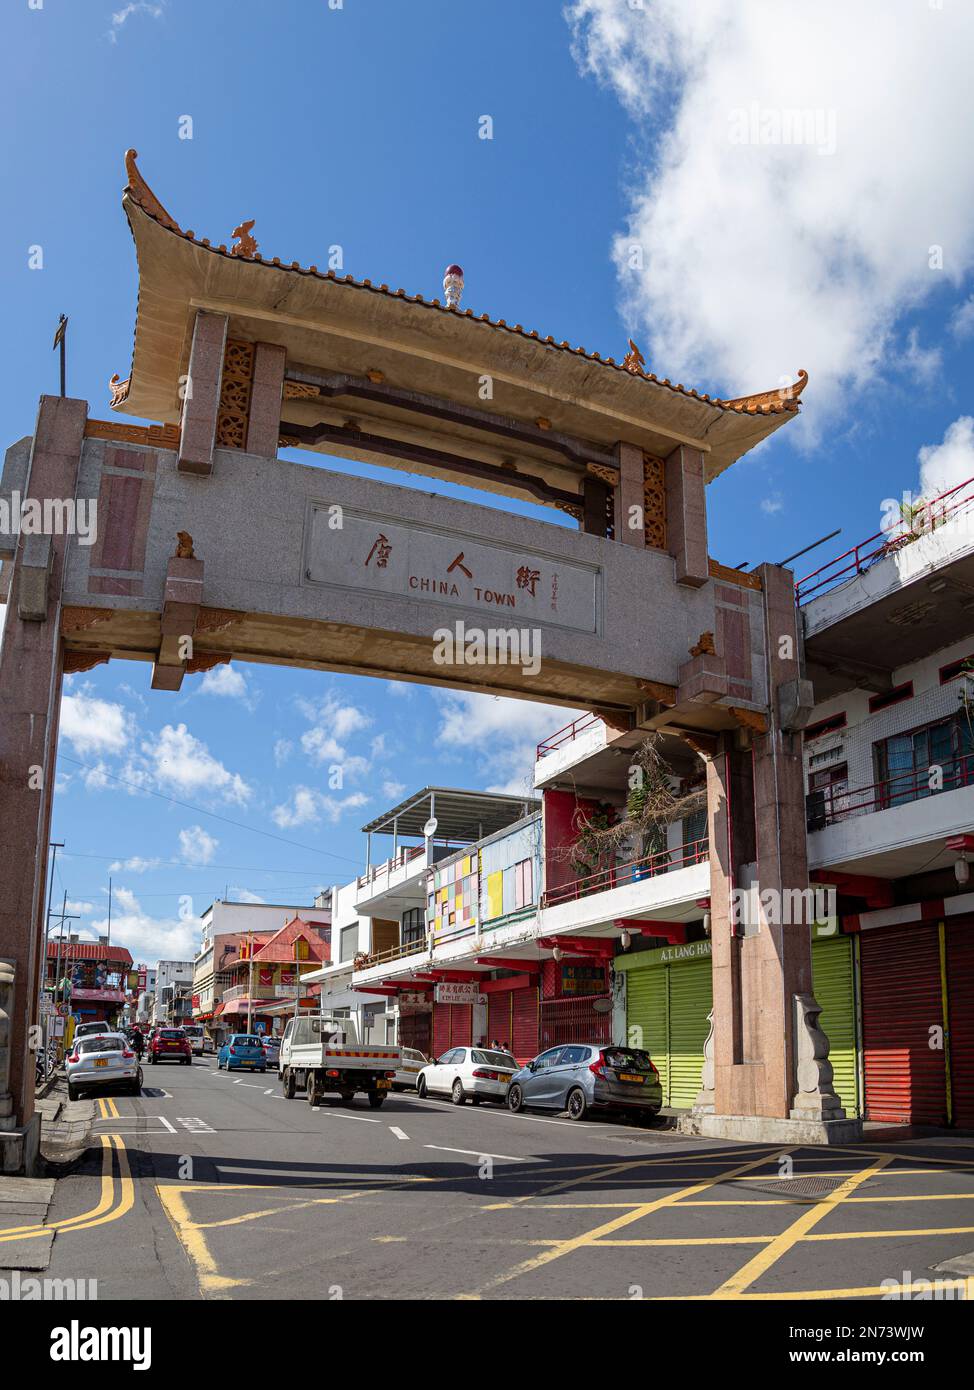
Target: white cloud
945,465
392,791
95,726
122,16
225,680
79,909
759,258
135,865
962,319
771,505
149,938
283,748
505,732
180,762
307,806
196,846
244,895
920,363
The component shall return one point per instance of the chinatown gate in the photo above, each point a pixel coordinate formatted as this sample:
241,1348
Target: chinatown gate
209,547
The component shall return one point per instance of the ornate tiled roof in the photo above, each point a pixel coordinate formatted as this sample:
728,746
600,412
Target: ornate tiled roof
775,402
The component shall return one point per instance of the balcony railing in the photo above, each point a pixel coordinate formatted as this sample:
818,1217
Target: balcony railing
928,517
827,806
404,948
404,856
566,735
662,862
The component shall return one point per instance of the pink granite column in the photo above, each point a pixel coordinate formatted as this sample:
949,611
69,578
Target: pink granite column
201,401
629,496
267,388
30,693
686,516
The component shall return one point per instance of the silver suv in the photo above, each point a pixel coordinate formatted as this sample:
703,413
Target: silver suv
580,1077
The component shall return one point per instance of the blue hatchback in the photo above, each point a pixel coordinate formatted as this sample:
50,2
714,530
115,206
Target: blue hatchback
243,1050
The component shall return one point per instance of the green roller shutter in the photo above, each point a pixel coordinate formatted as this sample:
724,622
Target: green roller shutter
646,1016
833,983
666,1012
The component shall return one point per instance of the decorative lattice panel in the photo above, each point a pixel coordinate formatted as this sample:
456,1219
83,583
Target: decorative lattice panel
233,415
654,501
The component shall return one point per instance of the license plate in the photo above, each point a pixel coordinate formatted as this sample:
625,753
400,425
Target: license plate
383,1085
101,1062
630,1076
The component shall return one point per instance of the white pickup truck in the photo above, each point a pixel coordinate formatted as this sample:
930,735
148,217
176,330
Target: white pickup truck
323,1056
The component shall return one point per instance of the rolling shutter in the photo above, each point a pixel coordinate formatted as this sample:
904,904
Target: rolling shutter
960,997
441,1029
832,982
646,1017
690,1001
906,1079
499,1017
524,1023
461,1025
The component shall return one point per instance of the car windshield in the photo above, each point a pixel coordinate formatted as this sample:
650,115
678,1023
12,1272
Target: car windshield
102,1042
628,1059
171,1033
244,1041
494,1059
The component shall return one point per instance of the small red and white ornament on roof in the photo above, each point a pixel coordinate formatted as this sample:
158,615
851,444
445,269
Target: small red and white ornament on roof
453,285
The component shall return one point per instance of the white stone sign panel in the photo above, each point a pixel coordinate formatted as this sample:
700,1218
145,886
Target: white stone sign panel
512,585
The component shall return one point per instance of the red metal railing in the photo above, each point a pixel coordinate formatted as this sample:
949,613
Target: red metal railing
828,806
928,517
565,735
662,862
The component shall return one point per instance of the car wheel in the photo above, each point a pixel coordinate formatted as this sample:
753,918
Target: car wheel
72,1092
376,1099
456,1095
288,1084
577,1106
515,1100
312,1090
263,1069
152,1061
421,1090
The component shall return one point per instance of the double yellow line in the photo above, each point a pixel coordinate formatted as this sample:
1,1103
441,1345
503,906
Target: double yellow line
117,1191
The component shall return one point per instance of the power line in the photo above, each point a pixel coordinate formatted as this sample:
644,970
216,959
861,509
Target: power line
202,811
181,864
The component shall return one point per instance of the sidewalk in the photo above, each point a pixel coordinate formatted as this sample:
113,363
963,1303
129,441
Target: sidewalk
65,1124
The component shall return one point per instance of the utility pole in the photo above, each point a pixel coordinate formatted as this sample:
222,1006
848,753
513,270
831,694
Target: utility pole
109,911
55,846
250,981
65,916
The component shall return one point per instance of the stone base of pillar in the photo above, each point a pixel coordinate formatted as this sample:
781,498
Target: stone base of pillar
765,1129
20,1149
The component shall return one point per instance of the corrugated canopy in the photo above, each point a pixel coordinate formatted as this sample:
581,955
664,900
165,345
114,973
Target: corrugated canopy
459,815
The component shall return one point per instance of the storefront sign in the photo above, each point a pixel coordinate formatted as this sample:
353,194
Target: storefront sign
457,992
375,554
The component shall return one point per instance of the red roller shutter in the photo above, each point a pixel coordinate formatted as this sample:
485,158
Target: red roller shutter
906,1080
960,999
461,1025
499,1017
441,1029
524,1023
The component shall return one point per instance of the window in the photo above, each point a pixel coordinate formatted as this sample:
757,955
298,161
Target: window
826,787
572,1056
548,1059
348,942
890,697
413,926
925,761
825,726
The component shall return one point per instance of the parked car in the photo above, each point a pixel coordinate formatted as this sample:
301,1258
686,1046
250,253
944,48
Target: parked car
468,1073
586,1076
170,1045
194,1031
272,1050
243,1050
102,1059
409,1068
208,1043
86,1030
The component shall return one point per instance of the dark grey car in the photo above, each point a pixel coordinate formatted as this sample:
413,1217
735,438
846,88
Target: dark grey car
580,1077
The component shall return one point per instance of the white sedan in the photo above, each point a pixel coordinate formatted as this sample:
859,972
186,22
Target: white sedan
409,1068
102,1059
468,1073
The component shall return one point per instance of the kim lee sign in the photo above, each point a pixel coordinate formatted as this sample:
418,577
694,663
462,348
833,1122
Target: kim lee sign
456,992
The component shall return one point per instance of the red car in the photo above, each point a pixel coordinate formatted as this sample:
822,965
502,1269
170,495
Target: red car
170,1045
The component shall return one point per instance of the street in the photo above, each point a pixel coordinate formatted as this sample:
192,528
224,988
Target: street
215,1186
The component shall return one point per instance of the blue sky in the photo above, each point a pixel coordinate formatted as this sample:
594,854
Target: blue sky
358,125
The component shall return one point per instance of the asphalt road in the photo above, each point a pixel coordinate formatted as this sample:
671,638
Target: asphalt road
215,1186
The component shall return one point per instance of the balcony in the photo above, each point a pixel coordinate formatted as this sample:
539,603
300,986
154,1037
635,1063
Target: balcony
891,829
391,953
668,884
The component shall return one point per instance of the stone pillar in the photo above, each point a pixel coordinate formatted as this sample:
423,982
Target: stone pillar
201,401
770,1060
30,694
267,388
686,516
629,495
